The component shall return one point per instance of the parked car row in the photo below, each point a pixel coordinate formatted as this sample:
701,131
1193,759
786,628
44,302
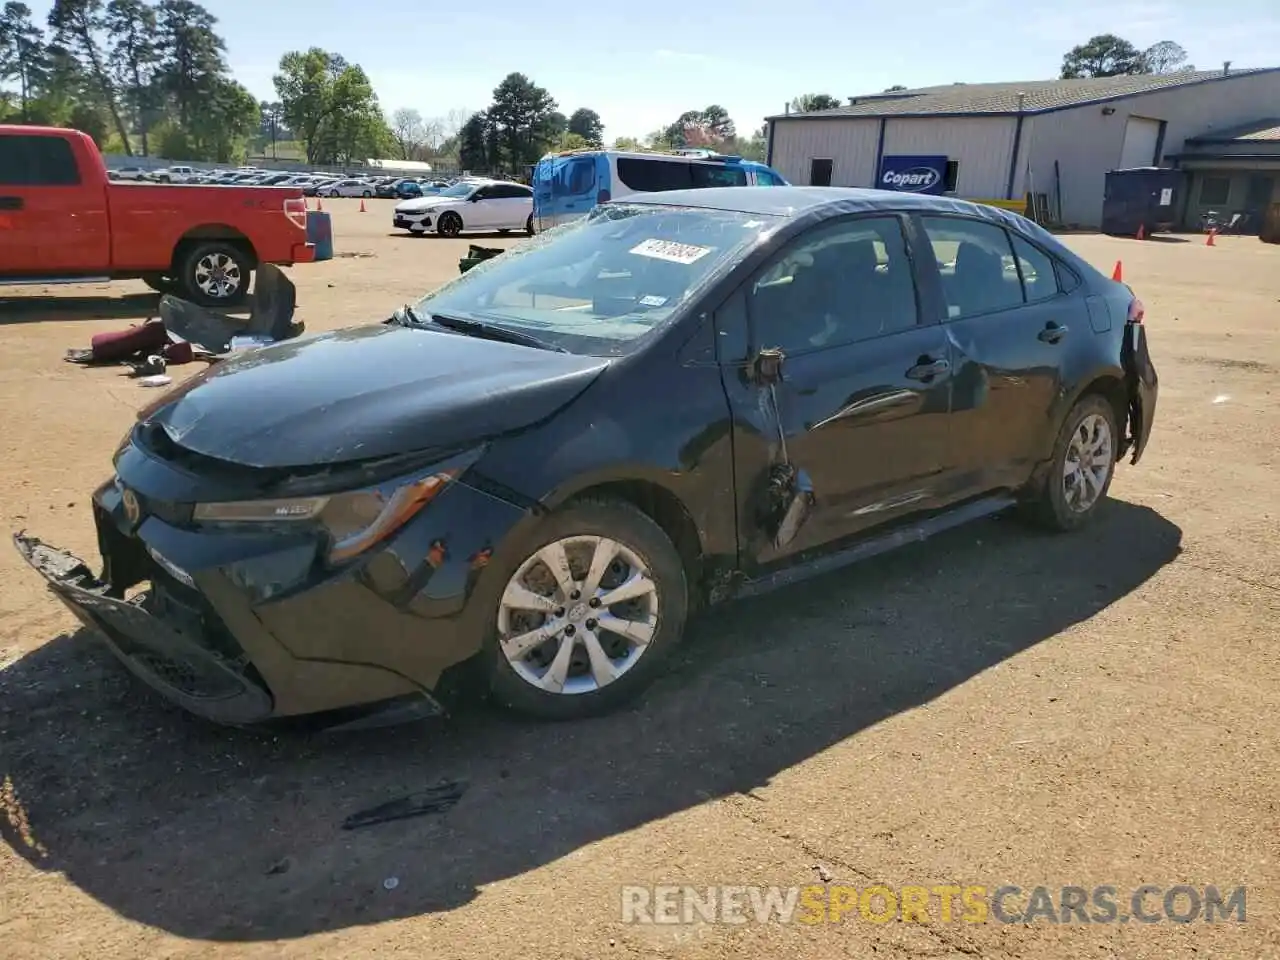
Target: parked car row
312,184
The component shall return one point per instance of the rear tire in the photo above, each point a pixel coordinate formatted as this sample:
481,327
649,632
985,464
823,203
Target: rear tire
1079,475
528,225
599,668
215,274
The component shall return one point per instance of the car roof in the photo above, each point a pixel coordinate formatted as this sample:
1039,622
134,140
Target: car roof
821,202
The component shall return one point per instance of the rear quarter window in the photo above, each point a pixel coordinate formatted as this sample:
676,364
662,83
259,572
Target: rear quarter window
27,161
645,175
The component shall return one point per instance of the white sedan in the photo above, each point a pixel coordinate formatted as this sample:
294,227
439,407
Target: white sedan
347,188
476,206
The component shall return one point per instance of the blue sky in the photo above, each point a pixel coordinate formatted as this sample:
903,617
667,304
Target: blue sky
639,65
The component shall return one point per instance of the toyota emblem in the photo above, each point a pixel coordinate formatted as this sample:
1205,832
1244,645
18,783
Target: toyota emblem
132,508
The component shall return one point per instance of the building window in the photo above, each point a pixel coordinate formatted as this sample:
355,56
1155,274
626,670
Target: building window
1215,190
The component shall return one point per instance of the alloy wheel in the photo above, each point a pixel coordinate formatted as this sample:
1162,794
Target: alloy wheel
578,614
1088,463
218,276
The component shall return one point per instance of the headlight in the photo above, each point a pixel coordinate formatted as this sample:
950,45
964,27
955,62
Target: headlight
355,521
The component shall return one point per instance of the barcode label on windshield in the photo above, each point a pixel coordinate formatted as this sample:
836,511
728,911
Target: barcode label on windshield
667,250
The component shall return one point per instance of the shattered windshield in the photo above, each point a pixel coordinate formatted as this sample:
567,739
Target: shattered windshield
597,285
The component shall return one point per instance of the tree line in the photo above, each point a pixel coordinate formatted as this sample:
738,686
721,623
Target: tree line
138,77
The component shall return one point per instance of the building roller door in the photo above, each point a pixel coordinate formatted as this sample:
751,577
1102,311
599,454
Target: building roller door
1141,136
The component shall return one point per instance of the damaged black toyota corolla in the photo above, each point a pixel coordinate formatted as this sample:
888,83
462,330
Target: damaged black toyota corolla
544,466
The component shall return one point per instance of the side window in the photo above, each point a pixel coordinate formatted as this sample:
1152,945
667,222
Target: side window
644,175
1039,278
581,175
484,193
37,162
715,175
836,284
976,264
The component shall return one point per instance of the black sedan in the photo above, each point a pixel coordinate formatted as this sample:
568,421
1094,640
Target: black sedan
542,468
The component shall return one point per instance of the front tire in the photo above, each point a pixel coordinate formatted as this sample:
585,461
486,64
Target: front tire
1083,465
215,274
449,224
587,615
366,194
528,225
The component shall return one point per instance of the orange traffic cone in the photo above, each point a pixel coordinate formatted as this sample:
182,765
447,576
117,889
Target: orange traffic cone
362,204
1208,241
1117,274
1142,232
319,205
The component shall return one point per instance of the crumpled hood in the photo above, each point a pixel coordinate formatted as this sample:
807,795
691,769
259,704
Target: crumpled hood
368,392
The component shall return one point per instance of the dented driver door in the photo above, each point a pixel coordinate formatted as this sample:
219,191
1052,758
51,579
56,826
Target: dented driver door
863,400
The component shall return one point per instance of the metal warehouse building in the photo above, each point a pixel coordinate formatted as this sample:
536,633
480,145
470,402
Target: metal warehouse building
1056,138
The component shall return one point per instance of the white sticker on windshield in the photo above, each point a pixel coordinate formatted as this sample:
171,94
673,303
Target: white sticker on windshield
684,253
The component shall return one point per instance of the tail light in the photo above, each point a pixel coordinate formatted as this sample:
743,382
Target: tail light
295,208
603,196
1137,312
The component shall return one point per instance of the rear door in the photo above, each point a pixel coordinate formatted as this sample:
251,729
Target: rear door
865,392
1013,326
514,204
51,224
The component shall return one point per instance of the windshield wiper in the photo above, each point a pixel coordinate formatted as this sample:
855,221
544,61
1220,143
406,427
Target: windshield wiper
490,331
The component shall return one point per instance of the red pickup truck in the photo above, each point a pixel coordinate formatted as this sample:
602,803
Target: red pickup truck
63,221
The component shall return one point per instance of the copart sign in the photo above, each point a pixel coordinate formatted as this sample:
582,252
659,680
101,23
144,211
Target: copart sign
913,174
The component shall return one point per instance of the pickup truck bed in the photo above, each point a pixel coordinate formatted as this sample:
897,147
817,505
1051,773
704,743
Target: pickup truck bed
63,221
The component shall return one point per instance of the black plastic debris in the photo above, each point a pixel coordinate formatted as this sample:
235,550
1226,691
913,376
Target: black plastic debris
437,799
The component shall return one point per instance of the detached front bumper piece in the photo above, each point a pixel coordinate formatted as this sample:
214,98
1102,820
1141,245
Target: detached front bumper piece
160,639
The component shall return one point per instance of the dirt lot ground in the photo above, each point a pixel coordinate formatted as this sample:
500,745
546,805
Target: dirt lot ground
995,707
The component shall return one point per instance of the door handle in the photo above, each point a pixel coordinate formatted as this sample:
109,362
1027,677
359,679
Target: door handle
928,369
1052,332
11,203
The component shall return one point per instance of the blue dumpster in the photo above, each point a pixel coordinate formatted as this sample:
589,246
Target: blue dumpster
320,233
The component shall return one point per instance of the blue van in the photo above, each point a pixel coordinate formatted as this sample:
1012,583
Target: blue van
567,185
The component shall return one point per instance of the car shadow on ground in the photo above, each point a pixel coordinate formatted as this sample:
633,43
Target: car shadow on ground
45,308
234,835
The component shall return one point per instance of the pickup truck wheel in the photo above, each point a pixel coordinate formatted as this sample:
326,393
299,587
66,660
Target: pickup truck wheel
215,274
1079,476
590,608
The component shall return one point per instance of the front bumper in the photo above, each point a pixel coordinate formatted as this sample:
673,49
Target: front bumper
411,221
241,628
